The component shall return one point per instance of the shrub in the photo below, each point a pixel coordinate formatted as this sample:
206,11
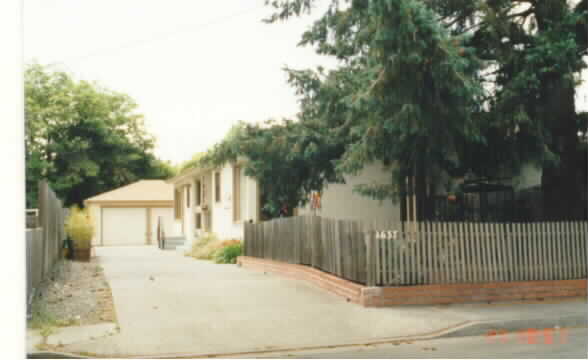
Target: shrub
228,254
229,242
79,228
204,248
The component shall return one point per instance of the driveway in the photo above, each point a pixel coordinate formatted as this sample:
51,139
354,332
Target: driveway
169,304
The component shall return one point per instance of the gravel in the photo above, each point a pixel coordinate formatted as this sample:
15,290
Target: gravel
77,293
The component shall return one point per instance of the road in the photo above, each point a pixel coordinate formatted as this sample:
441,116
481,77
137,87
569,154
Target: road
573,346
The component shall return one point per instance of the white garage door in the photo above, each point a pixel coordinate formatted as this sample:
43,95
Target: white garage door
167,215
124,226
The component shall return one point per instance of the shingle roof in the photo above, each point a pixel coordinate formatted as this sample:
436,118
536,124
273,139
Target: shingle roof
142,190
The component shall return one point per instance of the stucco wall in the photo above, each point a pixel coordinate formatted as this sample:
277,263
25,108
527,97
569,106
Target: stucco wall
222,212
251,200
529,176
223,225
340,202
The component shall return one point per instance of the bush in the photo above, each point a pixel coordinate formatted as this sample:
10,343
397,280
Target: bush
79,228
228,254
205,247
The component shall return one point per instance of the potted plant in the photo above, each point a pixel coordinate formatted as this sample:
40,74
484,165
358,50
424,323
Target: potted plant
80,230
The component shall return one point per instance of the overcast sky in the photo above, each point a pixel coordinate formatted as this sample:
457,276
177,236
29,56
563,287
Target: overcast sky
194,67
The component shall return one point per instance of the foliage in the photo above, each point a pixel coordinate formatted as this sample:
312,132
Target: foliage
205,247
228,254
192,163
456,86
209,247
79,227
84,139
289,160
41,318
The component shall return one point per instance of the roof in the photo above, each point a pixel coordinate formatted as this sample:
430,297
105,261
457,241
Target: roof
142,190
196,171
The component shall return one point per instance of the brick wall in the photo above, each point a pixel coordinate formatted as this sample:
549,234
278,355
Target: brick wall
341,287
485,292
422,294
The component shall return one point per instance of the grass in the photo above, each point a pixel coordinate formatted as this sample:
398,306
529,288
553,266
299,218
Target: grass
42,319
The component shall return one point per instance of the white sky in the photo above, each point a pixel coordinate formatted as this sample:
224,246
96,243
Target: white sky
194,67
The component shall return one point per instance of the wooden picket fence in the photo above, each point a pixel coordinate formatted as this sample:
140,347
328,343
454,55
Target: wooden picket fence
419,253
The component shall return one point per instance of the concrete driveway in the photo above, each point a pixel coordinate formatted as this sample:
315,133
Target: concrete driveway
170,304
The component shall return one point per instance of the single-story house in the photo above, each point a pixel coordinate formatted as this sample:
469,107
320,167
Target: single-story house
220,200
129,215
217,200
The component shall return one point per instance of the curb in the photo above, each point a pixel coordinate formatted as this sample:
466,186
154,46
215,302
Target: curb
465,329
54,355
490,328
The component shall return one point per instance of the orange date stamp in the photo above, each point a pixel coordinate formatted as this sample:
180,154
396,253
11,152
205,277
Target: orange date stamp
546,336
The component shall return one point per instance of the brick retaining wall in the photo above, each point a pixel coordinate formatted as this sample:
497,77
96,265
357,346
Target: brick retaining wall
422,294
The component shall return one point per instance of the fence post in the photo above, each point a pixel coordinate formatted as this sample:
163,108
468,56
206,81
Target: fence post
42,222
245,236
371,257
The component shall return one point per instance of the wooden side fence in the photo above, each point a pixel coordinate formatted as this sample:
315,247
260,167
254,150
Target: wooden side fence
44,243
419,253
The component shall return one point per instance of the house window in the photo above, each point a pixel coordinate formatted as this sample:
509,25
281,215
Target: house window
217,187
187,195
198,192
178,204
236,193
198,221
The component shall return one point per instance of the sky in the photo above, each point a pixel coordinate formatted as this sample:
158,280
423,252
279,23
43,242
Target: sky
195,68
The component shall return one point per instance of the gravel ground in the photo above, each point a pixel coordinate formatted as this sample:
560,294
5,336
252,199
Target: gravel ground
77,293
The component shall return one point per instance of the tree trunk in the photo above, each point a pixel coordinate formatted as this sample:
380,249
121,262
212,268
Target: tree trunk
562,184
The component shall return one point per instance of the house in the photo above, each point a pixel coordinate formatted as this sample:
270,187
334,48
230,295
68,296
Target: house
129,215
220,200
217,200
339,201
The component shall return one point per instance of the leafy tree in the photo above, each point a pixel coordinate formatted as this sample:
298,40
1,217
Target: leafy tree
82,138
193,162
408,89
287,159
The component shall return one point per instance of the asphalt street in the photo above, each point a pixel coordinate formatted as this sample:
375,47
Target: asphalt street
573,344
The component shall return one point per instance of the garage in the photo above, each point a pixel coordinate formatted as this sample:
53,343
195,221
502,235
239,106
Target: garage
128,216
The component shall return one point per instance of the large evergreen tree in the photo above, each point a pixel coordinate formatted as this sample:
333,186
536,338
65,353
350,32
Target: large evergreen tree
408,88
404,92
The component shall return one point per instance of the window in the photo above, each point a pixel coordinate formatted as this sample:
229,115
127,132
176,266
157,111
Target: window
236,193
178,204
198,192
187,195
198,221
217,187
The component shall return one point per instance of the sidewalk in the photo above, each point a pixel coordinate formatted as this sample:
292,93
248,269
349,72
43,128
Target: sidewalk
169,305
483,319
